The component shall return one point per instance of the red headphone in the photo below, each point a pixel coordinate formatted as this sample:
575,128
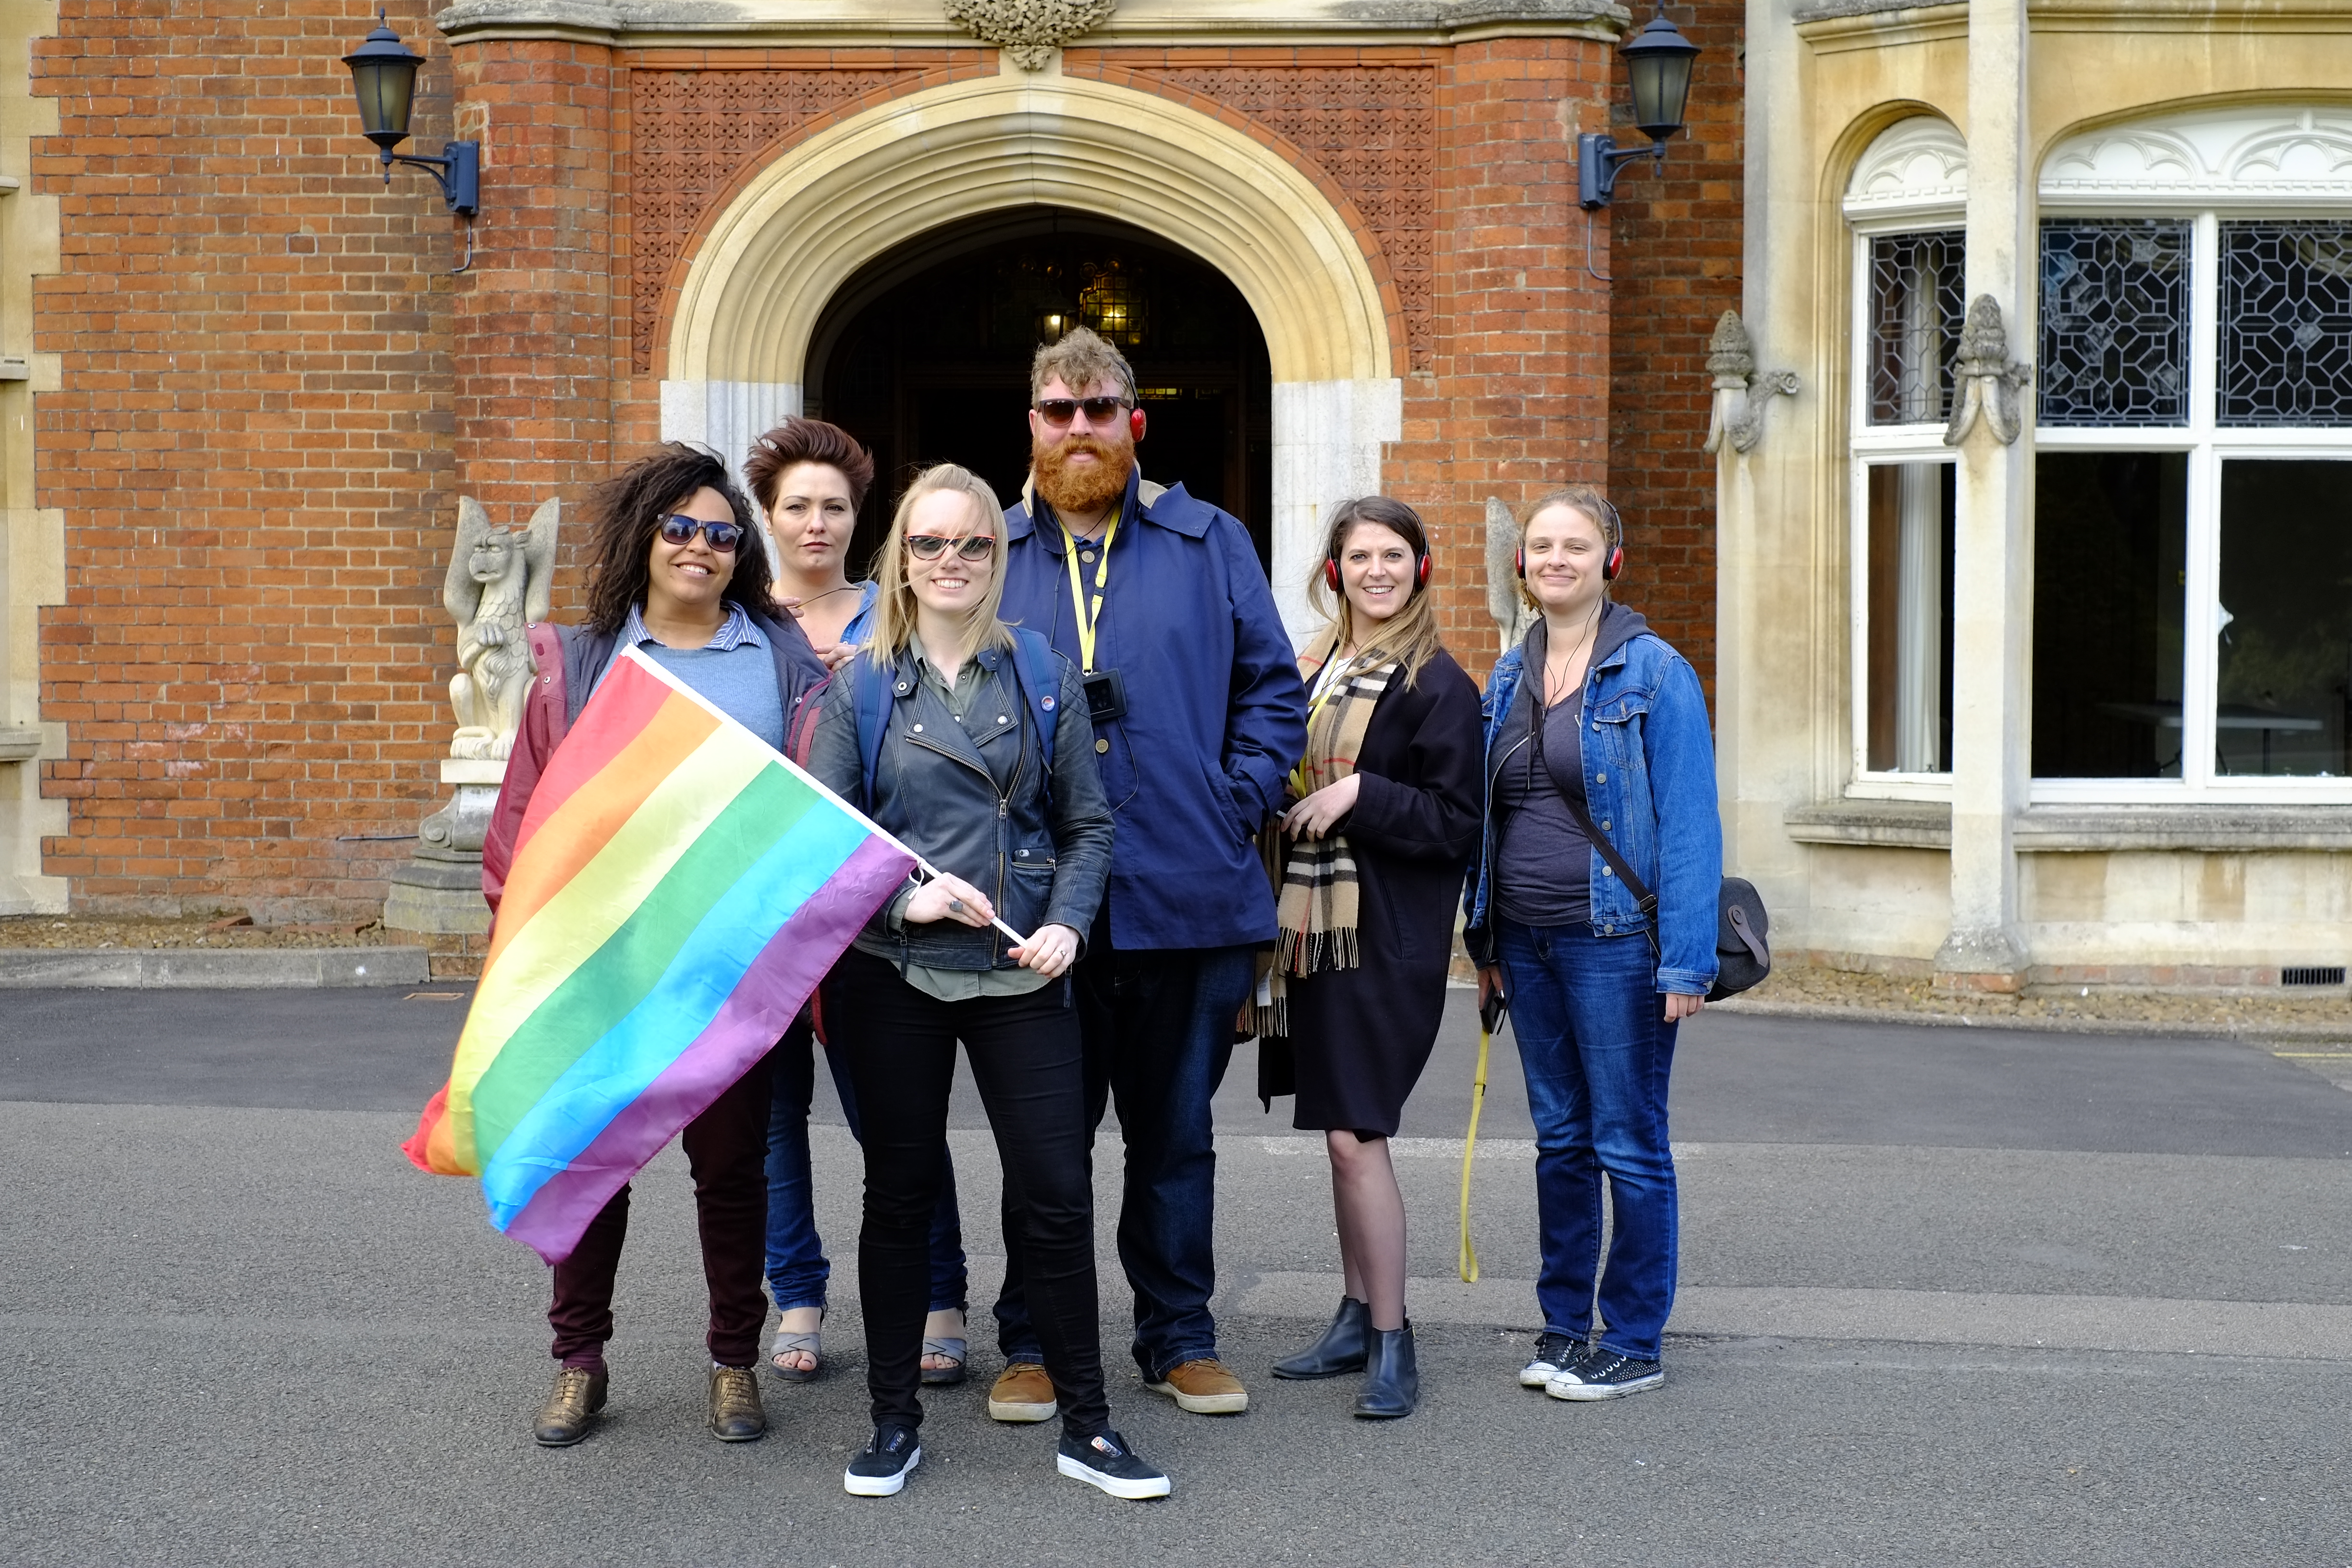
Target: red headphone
1611,566
1135,424
1421,562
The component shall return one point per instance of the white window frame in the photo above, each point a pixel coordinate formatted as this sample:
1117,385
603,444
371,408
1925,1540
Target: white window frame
1868,447
2208,446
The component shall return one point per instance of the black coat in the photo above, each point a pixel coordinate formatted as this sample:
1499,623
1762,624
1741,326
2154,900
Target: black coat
1413,833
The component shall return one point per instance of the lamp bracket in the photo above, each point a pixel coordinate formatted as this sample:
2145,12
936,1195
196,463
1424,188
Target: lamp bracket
1598,160
458,172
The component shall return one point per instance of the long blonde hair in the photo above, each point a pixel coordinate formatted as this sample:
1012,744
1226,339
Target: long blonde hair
894,607
1411,635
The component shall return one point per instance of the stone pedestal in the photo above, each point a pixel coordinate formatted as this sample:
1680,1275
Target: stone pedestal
439,891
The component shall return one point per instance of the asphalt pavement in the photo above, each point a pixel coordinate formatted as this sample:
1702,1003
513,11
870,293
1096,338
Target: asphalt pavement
1948,1296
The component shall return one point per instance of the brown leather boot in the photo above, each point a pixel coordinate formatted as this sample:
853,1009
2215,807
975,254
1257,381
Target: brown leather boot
1205,1387
735,1414
1023,1393
570,1410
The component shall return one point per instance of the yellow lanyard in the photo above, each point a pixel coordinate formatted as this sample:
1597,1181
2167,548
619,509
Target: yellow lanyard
1087,617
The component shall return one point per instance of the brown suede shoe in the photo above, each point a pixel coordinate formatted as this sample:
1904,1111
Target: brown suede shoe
570,1409
1205,1387
735,1414
1023,1393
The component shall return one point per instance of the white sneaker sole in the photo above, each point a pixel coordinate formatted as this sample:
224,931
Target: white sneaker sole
1134,1490
881,1486
1204,1403
999,1410
1584,1392
1537,1374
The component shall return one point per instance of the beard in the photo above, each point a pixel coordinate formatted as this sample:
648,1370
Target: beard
1082,490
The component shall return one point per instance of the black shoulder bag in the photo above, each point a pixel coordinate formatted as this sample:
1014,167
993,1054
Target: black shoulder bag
1743,956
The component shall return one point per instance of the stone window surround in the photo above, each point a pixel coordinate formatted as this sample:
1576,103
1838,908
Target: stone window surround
2210,166
2055,828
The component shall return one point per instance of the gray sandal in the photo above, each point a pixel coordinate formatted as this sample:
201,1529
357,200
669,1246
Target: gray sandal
787,1343
943,1376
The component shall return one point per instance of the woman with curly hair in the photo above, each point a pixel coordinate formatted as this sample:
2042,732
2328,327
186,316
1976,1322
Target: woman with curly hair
675,570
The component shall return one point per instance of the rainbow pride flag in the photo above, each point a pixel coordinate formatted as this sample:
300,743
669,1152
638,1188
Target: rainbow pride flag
678,889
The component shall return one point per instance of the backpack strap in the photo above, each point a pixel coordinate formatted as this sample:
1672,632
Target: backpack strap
1040,676
872,689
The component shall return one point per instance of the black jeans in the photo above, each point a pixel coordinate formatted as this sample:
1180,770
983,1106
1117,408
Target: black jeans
1031,1070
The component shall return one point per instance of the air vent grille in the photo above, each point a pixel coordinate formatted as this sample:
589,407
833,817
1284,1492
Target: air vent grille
2312,974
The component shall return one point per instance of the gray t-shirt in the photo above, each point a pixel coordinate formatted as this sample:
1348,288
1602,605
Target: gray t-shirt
1543,861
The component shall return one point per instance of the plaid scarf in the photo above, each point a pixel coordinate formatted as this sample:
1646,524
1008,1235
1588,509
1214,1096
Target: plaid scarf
1314,878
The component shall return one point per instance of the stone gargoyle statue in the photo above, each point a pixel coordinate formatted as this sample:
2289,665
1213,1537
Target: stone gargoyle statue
499,581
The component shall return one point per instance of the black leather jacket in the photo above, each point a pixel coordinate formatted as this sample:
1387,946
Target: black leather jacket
967,798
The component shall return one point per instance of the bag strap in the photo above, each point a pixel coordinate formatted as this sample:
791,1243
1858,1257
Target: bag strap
871,687
1572,794
1041,685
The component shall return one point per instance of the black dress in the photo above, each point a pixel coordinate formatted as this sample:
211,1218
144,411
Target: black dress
1360,1037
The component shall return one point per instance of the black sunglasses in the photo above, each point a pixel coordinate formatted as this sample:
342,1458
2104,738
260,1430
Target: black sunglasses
1061,410
972,546
679,529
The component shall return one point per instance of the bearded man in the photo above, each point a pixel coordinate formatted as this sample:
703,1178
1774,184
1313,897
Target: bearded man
1198,716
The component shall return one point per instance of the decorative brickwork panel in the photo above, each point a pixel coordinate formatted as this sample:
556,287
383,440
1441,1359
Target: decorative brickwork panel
1373,129
692,133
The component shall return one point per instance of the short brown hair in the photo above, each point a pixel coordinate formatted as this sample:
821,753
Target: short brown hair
1081,359
800,440
1596,510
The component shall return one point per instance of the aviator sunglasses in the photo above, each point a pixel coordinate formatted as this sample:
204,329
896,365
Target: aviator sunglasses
679,529
1099,410
971,547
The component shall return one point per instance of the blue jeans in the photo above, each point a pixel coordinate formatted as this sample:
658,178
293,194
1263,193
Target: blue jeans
1597,1051
1158,1027
797,1267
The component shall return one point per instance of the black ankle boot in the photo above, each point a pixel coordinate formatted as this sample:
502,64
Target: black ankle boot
1393,1380
1343,1347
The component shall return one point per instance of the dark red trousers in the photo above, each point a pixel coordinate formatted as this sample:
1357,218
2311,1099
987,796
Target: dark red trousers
727,1146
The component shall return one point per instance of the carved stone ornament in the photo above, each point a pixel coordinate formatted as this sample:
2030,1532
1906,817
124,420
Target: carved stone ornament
1741,394
1985,382
1504,602
499,581
1029,31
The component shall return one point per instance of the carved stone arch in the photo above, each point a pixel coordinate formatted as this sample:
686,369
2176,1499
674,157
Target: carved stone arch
798,231
2264,154
1918,166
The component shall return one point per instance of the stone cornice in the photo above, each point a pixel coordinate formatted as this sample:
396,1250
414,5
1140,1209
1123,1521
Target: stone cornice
1836,25
883,24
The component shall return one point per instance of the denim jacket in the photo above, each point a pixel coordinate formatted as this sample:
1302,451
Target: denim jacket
1649,783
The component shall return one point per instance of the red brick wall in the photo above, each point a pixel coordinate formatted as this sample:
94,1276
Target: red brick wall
1514,400
275,390
252,451
1677,262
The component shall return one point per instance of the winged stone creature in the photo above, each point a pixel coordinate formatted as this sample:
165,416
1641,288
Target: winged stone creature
500,580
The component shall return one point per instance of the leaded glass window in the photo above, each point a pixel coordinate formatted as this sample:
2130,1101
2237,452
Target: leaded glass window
2114,321
2286,323
1916,309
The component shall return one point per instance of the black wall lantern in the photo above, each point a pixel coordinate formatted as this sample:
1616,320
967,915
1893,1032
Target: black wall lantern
383,73
1659,63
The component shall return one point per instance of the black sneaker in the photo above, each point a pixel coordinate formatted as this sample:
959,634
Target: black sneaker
1605,1374
1554,1354
881,1469
1104,1460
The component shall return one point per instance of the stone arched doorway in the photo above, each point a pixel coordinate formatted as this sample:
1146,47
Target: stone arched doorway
924,356
770,264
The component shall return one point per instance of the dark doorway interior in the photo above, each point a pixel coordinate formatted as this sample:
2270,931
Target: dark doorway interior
924,356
